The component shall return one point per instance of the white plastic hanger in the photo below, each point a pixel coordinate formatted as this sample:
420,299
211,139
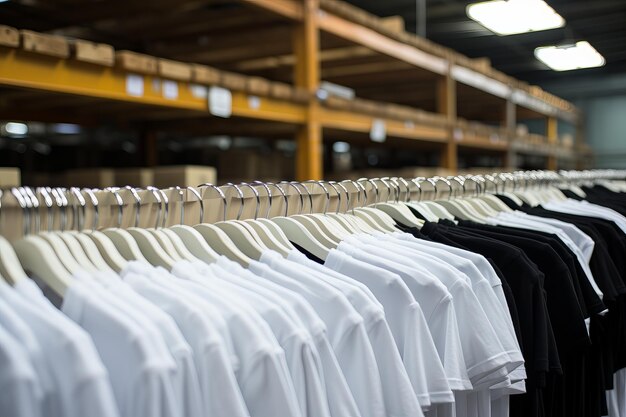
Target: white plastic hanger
239,234
10,267
382,220
268,234
36,255
192,239
270,227
331,228
511,195
124,242
103,243
347,219
493,201
418,205
218,239
147,243
399,212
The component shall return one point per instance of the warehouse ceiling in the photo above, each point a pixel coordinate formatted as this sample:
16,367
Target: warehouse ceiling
601,22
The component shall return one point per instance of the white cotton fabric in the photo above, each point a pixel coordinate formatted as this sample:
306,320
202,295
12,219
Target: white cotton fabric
408,327
265,382
140,376
340,399
301,354
20,392
436,303
346,331
80,380
586,208
400,400
185,379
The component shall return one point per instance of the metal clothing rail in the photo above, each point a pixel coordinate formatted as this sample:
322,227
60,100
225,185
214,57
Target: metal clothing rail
26,210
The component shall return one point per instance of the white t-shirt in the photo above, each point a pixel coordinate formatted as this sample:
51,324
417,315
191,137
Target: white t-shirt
408,327
264,381
301,354
206,332
497,313
141,379
21,333
484,333
588,209
186,382
20,392
346,331
436,303
340,399
400,400
77,371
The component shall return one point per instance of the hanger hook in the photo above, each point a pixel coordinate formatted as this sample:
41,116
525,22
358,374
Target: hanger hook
181,195
166,204
332,184
461,180
408,188
221,194
241,196
269,197
22,203
280,190
96,209
348,197
416,181
256,196
301,197
135,195
371,181
29,195
320,184
157,199
120,204
199,197
48,203
80,219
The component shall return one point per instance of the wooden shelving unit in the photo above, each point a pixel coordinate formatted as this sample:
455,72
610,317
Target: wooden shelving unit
271,56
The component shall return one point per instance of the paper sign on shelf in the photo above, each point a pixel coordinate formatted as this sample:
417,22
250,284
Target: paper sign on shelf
198,91
220,102
378,131
170,89
134,85
457,134
254,102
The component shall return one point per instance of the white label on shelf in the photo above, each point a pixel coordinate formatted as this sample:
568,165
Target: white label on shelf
220,102
134,85
378,132
170,89
198,91
254,102
409,124
494,138
457,134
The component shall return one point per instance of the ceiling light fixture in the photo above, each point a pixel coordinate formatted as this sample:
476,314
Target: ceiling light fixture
570,57
509,17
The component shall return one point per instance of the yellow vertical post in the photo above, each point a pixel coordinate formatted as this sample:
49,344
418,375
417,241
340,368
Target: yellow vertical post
553,138
511,131
446,104
309,161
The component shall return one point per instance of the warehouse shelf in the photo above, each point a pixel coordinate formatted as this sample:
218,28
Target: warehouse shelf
271,56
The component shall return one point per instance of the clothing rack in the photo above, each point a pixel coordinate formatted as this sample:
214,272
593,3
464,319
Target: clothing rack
26,210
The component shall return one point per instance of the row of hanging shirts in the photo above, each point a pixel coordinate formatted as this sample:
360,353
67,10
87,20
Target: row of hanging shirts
403,364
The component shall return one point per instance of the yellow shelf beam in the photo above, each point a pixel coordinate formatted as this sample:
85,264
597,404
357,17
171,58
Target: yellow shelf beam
31,71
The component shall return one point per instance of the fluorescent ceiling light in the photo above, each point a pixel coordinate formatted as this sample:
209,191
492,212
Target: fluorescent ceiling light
570,57
15,128
515,16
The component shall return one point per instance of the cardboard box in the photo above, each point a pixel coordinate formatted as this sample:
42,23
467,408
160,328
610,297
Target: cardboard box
90,178
204,74
135,177
183,176
94,53
10,177
9,36
133,61
174,70
40,43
